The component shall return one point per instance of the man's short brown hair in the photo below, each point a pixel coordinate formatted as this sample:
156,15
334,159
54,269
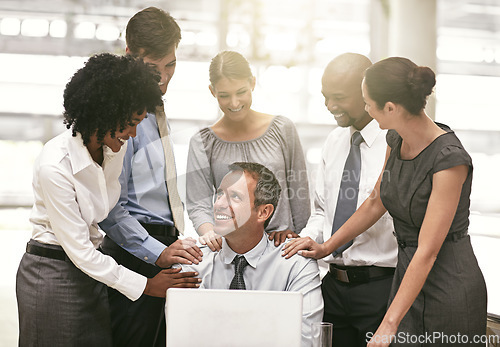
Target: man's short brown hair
152,33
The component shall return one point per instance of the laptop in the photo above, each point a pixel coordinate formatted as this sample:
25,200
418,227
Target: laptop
233,318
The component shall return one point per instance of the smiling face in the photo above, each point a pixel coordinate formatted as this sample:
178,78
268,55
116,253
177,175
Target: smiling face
234,205
234,96
120,137
343,98
165,67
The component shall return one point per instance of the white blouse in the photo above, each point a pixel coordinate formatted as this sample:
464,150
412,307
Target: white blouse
72,194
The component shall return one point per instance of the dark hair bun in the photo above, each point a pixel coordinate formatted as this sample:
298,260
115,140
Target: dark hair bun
421,80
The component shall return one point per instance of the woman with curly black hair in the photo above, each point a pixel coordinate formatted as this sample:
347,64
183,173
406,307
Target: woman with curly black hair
62,277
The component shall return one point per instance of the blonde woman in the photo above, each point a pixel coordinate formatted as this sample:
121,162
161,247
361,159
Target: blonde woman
243,134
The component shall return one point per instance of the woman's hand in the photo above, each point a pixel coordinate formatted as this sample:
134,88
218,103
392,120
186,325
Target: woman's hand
280,236
158,285
385,334
212,240
306,247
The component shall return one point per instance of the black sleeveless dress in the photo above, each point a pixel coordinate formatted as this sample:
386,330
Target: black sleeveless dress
453,298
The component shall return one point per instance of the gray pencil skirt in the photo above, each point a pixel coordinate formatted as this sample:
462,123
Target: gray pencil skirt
59,305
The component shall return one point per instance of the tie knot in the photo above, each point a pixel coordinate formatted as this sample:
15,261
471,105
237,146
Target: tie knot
240,262
356,138
159,108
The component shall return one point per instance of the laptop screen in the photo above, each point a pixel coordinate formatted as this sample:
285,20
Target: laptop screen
213,317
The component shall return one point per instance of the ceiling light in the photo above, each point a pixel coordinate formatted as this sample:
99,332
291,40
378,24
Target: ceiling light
35,27
58,28
107,32
85,30
10,26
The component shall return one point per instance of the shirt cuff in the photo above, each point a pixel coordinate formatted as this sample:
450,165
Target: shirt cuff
151,250
130,284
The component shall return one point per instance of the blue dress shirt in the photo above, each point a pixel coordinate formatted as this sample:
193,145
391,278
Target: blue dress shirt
144,195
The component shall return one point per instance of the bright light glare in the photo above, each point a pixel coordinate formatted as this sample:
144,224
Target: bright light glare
58,28
85,30
458,53
42,77
107,32
336,45
489,55
188,38
313,155
279,78
237,39
206,39
232,39
35,27
280,42
10,26
467,102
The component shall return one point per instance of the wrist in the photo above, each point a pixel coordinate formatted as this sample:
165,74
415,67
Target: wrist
162,260
391,321
147,288
205,228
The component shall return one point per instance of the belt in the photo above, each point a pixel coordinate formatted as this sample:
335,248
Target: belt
454,237
359,274
160,230
46,252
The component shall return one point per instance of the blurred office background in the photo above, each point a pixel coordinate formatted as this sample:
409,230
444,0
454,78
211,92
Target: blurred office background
288,42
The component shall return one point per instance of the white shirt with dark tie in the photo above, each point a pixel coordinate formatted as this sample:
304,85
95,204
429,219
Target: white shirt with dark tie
377,246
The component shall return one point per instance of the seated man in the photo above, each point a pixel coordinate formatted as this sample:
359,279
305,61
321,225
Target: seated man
245,202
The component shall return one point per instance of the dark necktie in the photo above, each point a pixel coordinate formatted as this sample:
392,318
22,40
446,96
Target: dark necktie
239,265
349,187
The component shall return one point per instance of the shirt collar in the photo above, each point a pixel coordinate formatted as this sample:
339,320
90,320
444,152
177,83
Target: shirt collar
252,256
78,153
370,132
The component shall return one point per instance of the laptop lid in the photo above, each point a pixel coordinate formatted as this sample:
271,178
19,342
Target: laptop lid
235,318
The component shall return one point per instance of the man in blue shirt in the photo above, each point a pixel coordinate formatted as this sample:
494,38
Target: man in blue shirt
148,216
245,202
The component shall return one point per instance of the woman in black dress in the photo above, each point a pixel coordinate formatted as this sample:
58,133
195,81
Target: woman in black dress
439,294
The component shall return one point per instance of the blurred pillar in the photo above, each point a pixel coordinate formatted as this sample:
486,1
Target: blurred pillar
223,24
413,34
379,29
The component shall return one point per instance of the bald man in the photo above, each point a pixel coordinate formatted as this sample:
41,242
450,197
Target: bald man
356,287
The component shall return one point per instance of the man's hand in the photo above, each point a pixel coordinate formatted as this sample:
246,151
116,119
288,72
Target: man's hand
212,240
170,278
280,236
181,251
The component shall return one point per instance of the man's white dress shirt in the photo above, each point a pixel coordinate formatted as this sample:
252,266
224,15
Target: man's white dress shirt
377,246
72,194
266,270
